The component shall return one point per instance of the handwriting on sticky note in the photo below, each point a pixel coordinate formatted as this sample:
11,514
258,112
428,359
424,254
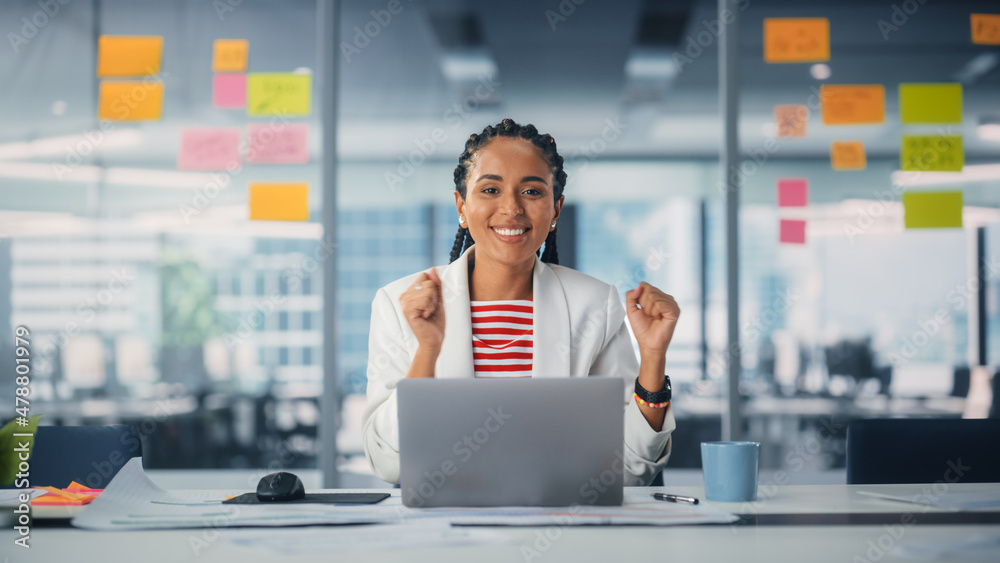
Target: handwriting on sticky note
793,192
134,100
229,91
230,55
939,153
848,155
278,94
209,149
278,144
791,120
279,202
930,103
852,105
123,56
796,40
932,210
986,29
792,231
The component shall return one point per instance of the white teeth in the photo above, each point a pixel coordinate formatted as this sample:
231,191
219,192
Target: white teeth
510,232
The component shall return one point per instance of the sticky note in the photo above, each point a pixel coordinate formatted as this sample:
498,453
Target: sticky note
122,56
796,40
278,143
932,210
793,231
230,55
229,91
848,155
852,105
278,93
791,120
279,202
930,103
940,153
986,29
134,100
209,149
793,192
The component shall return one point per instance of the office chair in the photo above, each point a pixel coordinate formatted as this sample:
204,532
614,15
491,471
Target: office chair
923,450
89,455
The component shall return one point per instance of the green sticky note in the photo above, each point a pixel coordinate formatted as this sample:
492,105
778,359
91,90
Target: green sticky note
932,210
273,93
930,103
925,153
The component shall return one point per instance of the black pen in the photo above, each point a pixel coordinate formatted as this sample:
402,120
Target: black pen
674,498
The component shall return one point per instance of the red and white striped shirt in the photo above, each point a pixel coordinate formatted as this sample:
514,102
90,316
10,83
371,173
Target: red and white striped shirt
502,338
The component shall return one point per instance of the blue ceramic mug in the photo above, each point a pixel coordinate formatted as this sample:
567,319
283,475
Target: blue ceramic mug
730,470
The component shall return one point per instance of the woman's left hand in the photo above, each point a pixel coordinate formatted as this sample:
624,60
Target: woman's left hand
653,316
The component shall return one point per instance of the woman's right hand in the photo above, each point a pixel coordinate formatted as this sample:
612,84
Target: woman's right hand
423,308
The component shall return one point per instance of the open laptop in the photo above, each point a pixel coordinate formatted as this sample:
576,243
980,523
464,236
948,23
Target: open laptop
511,442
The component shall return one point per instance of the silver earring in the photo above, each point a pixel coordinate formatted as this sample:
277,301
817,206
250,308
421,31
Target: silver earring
461,220
553,225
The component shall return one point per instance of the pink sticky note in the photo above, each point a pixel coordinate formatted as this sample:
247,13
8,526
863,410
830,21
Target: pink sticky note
229,91
793,231
278,143
209,149
793,192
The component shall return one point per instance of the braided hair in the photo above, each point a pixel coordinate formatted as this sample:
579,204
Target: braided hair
508,128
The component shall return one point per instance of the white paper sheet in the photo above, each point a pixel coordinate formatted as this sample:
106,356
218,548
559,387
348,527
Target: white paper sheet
336,542
948,501
11,497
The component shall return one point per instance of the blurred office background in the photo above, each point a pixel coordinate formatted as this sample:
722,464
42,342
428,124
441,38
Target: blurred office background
186,324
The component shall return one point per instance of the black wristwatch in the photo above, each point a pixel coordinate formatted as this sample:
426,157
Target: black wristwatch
658,397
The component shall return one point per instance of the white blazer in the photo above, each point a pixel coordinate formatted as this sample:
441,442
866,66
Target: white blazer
579,330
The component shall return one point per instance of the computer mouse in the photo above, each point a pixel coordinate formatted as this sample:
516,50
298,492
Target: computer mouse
280,487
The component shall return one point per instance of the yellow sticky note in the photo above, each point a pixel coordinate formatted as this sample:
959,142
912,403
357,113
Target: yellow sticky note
135,100
122,56
939,153
986,29
852,105
932,210
230,55
279,202
796,40
278,93
848,155
930,103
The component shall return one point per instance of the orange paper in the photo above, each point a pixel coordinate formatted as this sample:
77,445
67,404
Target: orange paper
796,40
852,105
791,120
986,29
138,100
120,56
279,202
848,155
230,55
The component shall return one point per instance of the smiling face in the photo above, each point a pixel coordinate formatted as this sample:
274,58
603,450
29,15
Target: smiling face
509,205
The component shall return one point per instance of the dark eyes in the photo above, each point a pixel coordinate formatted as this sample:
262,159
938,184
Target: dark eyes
529,191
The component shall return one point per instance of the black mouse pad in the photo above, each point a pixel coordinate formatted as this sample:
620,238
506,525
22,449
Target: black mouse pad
315,498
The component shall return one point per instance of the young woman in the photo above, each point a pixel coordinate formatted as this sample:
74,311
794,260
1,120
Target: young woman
499,311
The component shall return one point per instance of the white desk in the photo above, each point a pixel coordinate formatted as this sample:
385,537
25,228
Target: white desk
737,543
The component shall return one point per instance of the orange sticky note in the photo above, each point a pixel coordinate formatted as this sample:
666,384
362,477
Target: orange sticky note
120,56
848,155
230,55
279,202
852,105
796,40
138,100
791,120
792,231
986,29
